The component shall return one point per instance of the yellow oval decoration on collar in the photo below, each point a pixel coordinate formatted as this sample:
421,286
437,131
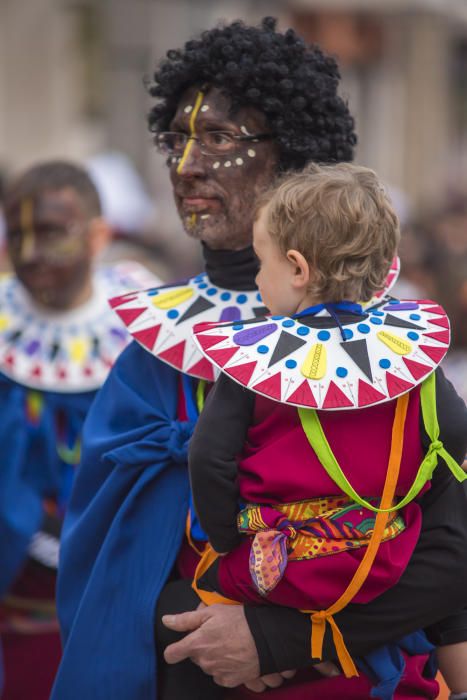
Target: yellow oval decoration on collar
167,300
314,366
395,343
79,350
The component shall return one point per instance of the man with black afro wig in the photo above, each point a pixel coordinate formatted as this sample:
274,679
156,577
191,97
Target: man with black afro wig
234,108
293,85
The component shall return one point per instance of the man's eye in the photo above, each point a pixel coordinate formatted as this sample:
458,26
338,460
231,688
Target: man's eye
180,139
217,138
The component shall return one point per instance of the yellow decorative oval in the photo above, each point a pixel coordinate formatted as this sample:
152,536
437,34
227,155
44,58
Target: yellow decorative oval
4,322
395,343
79,350
175,297
314,366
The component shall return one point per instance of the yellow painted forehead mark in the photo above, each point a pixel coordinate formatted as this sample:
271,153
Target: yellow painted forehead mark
189,145
27,228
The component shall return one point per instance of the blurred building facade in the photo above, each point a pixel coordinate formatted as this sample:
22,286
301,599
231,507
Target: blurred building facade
71,79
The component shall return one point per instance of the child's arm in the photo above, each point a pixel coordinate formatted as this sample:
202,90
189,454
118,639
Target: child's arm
218,438
450,636
452,661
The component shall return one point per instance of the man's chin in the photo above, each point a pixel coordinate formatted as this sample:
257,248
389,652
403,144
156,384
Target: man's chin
203,226
216,231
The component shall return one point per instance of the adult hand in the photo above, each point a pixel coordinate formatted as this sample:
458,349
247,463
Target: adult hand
231,659
220,642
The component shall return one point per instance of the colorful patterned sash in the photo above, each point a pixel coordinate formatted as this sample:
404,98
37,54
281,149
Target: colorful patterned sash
305,530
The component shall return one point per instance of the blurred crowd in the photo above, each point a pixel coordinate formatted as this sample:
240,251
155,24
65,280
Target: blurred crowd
434,265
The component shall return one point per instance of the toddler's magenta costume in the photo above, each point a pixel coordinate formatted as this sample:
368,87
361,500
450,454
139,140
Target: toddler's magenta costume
290,468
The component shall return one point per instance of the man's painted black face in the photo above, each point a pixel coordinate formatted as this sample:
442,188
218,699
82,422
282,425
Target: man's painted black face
48,245
216,181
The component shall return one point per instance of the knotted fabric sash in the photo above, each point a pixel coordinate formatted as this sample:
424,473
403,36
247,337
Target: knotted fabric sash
305,530
319,618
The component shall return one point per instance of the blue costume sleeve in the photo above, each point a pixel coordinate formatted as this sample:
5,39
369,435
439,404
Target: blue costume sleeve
122,532
31,468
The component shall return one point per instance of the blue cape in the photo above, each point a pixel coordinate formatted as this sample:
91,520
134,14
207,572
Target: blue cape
31,468
122,532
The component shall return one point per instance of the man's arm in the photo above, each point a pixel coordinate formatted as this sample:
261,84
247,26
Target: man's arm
431,588
268,639
218,438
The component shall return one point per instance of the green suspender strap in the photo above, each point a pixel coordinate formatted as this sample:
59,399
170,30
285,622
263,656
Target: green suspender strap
317,439
200,391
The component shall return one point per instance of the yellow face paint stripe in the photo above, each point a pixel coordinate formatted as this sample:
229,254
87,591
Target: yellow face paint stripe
26,219
189,145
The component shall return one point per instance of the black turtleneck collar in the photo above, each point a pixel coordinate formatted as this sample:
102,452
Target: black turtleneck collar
232,269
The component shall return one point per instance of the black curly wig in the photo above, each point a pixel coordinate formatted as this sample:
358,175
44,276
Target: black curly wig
294,85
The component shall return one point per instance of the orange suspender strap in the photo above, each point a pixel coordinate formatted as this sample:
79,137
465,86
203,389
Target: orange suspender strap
208,558
319,618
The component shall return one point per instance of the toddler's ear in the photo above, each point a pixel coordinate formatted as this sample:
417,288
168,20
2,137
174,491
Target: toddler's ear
301,269
99,235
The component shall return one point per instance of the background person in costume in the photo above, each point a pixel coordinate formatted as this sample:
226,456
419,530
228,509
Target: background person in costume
235,107
328,233
58,340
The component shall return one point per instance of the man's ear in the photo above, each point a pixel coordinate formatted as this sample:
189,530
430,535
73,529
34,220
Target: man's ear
301,269
99,235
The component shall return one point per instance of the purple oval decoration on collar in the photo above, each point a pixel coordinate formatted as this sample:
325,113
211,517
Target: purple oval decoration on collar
32,347
408,306
120,333
250,336
231,313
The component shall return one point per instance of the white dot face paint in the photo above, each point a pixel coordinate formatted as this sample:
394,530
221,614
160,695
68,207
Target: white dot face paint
251,153
204,108
216,165
188,109
227,164
244,130
205,216
239,161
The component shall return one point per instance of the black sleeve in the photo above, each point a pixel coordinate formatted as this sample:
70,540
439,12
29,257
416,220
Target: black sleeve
431,590
451,630
218,438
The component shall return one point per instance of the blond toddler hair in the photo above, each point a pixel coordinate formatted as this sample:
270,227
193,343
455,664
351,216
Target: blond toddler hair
341,220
